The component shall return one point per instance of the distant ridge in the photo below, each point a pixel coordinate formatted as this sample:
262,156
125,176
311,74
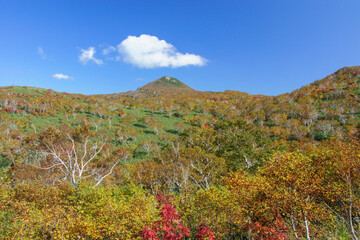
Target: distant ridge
342,82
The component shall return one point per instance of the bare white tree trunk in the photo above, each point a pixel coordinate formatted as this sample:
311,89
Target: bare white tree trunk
350,212
307,227
73,159
294,227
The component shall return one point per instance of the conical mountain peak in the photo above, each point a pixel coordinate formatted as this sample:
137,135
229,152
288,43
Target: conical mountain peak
168,84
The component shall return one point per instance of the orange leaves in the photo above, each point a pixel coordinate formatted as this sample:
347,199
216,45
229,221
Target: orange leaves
275,230
126,133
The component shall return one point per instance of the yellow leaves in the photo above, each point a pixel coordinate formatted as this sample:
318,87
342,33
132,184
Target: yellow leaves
213,207
87,213
250,192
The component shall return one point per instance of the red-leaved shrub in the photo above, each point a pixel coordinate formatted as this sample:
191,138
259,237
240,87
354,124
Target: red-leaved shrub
170,226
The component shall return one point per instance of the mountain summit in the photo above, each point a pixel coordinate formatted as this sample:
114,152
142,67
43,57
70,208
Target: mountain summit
166,84
162,86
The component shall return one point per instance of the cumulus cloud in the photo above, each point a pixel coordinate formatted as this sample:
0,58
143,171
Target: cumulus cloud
41,52
148,51
62,76
88,56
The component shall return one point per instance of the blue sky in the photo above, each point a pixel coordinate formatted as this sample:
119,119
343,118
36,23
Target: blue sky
267,47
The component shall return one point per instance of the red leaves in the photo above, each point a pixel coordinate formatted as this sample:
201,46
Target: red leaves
205,233
9,109
275,230
150,234
170,226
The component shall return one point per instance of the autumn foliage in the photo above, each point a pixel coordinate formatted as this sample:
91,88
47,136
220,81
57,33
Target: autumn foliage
152,164
170,226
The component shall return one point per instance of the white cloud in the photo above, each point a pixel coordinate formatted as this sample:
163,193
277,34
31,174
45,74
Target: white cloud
108,50
41,52
62,76
148,51
88,55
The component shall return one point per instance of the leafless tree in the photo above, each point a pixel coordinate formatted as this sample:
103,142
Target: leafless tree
76,159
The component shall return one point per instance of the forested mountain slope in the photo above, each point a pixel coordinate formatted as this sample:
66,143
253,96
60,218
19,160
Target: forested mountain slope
219,165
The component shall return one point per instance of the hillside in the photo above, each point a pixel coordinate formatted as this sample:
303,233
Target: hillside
222,156
330,103
342,82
